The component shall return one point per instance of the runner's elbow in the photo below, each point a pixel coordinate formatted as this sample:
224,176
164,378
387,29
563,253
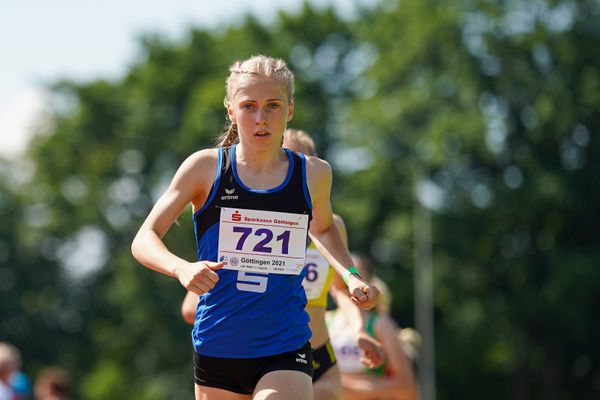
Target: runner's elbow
189,316
137,248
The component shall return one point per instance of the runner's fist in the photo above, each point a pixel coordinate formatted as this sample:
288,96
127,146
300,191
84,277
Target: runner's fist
363,294
198,277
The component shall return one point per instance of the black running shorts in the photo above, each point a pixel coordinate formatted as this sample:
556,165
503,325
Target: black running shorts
240,375
323,360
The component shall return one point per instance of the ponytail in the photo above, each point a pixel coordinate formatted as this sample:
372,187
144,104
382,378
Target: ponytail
229,137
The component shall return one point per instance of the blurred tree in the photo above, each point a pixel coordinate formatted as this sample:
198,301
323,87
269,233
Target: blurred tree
498,101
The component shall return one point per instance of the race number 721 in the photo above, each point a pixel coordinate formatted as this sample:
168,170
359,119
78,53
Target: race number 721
262,241
266,236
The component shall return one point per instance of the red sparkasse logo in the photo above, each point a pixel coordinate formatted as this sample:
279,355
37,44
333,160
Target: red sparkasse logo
236,216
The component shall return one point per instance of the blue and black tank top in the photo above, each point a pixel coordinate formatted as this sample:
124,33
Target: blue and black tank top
267,316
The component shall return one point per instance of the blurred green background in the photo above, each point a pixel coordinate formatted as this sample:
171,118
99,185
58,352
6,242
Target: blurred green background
484,112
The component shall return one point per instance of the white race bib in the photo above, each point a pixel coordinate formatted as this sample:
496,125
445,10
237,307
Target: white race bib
317,272
262,241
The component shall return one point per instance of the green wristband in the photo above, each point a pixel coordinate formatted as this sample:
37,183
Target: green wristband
350,271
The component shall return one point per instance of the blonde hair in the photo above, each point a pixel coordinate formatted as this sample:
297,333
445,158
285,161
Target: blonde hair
302,138
242,71
410,341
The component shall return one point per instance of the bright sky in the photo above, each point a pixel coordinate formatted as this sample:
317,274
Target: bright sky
41,41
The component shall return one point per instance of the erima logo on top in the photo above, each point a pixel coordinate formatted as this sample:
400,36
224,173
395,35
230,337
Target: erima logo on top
229,195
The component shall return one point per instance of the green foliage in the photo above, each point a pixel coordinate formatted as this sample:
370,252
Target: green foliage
494,100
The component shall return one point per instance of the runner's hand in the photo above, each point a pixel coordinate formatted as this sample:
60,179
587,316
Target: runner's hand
198,277
363,294
373,354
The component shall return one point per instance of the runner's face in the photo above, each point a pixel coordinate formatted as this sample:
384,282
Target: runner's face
261,110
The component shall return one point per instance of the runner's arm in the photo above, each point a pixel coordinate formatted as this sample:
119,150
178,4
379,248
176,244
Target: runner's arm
191,183
327,237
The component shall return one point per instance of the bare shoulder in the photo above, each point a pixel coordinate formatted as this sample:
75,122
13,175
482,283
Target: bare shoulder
202,159
201,165
317,166
195,176
318,172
